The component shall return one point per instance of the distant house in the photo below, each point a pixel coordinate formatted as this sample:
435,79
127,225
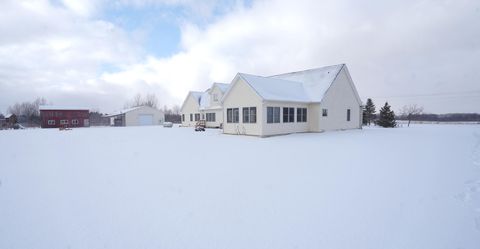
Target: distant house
63,116
307,101
7,121
137,116
204,106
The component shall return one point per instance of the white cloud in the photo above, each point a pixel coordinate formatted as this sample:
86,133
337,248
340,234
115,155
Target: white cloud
391,48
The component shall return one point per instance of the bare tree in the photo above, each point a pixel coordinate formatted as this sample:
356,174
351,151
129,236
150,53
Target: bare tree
410,111
28,111
151,100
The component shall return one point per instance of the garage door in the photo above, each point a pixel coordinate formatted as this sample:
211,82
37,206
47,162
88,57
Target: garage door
145,119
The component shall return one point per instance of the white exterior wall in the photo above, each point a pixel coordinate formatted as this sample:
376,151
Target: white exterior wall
131,117
270,129
218,117
242,95
190,106
218,92
339,97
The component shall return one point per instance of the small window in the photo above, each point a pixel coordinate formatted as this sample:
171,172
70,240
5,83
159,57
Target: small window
324,112
197,116
51,122
75,121
301,115
348,114
273,115
288,114
63,121
191,117
203,116
183,117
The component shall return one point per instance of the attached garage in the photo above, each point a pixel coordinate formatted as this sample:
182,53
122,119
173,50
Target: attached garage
137,116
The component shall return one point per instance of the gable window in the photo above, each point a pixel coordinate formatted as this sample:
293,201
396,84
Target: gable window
324,112
63,121
51,122
191,117
288,114
183,117
210,117
348,114
273,115
75,121
215,97
249,114
197,116
232,115
301,115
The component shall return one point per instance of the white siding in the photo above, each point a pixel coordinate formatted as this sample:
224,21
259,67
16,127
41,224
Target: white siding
340,96
242,95
190,106
132,117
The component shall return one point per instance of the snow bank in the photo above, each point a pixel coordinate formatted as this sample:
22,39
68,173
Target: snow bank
150,187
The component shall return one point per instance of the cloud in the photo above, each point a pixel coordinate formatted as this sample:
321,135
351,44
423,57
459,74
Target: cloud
393,49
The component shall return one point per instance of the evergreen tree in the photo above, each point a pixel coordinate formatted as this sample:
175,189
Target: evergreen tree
387,117
368,112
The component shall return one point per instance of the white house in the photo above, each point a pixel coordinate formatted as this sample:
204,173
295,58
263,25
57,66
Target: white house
137,116
204,106
313,100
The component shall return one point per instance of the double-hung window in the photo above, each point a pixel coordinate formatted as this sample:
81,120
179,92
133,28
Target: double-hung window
191,117
288,114
63,121
197,116
249,114
348,114
183,117
232,115
51,122
301,115
273,115
75,121
210,117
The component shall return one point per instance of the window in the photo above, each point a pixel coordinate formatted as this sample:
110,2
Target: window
75,121
211,117
232,115
215,97
51,122
273,115
301,115
288,114
63,121
348,114
191,117
249,114
324,112
203,116
197,116
183,117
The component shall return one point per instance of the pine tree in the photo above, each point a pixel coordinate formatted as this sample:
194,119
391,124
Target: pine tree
368,112
387,117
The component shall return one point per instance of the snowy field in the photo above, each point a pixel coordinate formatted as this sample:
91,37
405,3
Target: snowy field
151,187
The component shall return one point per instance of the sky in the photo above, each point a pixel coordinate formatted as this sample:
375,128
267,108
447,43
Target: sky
100,53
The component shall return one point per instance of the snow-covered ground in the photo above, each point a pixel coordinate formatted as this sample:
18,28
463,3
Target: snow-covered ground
151,187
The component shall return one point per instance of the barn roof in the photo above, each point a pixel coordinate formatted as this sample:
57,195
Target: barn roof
62,108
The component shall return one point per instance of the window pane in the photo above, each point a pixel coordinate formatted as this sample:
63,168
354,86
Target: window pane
253,114
348,114
291,115
276,114
229,115
269,115
246,115
235,115
285,114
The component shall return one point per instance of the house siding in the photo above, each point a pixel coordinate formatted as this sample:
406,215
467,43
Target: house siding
190,106
242,95
340,96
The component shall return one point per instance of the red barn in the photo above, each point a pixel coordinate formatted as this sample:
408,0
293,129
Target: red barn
59,116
